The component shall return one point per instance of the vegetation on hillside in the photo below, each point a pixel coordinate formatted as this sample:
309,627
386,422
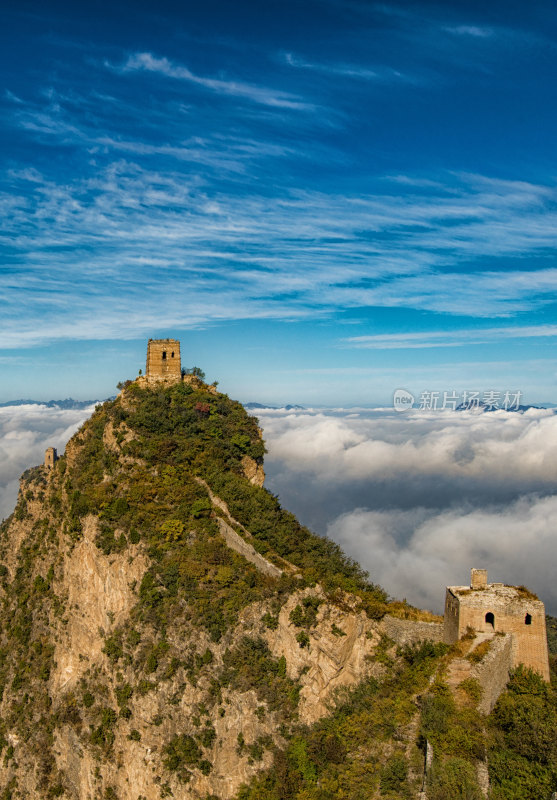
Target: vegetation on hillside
368,745
206,434
136,467
179,433
29,604
523,741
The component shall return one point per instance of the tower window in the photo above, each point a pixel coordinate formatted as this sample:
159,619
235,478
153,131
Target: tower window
164,355
172,354
528,619
490,619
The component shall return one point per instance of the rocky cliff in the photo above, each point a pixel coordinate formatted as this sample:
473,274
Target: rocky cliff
168,630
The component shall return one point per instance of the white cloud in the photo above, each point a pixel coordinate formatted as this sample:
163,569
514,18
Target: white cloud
345,70
268,97
500,447
449,338
420,498
516,543
25,433
471,30
320,252
149,206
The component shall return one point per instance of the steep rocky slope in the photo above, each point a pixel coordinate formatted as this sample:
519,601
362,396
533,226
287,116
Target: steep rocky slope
168,630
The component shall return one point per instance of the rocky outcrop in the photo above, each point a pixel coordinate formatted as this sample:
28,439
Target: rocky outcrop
253,471
99,599
153,646
337,655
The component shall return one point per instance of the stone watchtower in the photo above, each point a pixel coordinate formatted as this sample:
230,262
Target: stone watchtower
498,608
163,361
50,457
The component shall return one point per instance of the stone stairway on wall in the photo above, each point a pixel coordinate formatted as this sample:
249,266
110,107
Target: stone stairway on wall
461,669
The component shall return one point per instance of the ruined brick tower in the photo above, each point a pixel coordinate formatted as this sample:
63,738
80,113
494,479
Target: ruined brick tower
498,608
163,361
50,457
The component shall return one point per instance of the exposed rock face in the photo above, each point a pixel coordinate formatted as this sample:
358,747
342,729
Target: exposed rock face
99,598
253,471
335,656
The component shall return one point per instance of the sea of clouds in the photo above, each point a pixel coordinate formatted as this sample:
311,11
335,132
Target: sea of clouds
25,433
420,497
417,498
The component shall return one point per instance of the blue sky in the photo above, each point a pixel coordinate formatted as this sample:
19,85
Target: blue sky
323,200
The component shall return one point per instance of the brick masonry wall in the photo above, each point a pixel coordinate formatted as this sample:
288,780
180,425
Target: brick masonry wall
163,361
529,641
407,631
510,612
451,632
531,645
50,457
492,673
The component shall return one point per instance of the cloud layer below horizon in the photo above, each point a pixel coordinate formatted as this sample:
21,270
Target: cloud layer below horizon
418,499
25,433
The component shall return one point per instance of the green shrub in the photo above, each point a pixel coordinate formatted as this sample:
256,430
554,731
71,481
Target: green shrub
479,652
453,779
305,615
113,646
181,751
420,652
451,730
523,741
250,665
103,734
207,736
152,662
123,694
438,707
394,774
472,689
